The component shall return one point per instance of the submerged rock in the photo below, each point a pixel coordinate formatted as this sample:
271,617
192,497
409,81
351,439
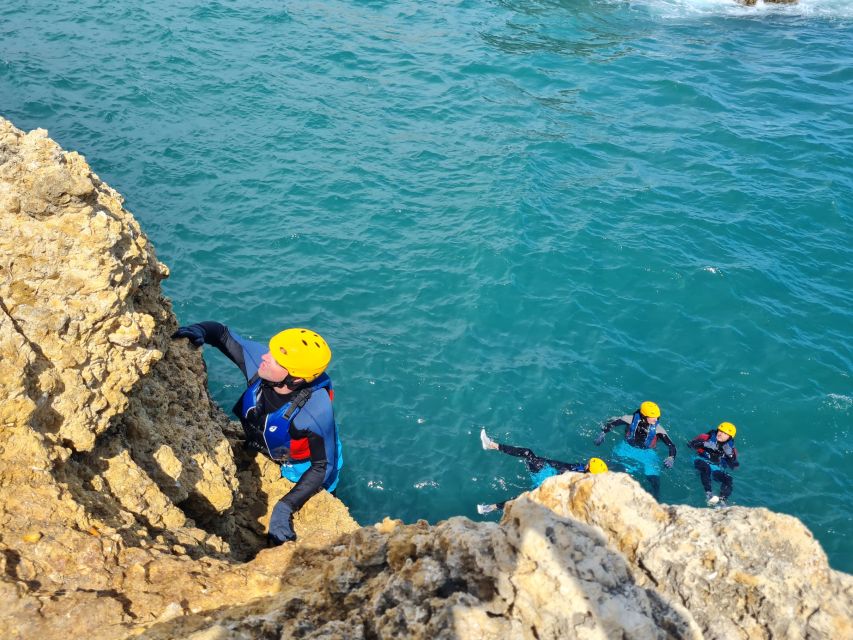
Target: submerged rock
127,506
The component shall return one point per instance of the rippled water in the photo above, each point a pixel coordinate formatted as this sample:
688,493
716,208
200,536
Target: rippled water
528,216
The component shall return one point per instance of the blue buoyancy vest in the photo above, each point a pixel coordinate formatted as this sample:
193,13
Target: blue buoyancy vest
649,442
715,453
548,471
542,475
276,425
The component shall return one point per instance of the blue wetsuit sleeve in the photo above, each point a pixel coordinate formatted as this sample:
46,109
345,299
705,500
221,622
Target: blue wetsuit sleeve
252,354
244,353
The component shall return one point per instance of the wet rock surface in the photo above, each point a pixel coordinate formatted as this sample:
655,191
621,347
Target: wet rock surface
127,507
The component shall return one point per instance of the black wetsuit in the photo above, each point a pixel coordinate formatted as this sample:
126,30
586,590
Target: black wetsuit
312,481
536,464
718,454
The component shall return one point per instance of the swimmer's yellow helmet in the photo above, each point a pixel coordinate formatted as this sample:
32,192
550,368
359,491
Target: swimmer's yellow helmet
302,352
596,465
728,428
650,410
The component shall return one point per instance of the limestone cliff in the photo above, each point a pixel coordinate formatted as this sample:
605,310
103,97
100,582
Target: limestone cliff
117,472
127,506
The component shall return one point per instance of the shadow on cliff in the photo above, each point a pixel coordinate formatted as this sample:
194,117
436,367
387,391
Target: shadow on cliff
173,412
458,579
83,477
45,418
178,441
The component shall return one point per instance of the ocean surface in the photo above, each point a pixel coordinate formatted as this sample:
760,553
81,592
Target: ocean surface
527,216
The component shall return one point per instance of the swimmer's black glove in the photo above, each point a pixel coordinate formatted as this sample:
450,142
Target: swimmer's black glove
193,333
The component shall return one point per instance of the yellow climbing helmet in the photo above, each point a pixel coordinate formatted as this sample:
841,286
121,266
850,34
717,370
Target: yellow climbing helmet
728,427
650,410
302,352
596,465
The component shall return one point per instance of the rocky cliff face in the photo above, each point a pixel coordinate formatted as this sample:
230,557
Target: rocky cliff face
580,557
120,495
123,512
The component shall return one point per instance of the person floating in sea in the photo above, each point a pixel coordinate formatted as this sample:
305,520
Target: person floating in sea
286,410
539,468
637,450
716,452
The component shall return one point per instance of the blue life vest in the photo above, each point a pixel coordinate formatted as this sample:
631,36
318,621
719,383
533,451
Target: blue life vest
542,475
277,424
649,443
548,471
712,444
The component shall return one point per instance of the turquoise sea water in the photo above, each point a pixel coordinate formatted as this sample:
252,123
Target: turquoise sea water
528,216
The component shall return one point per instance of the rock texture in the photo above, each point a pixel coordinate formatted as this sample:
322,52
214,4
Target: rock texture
116,469
581,557
127,507
742,573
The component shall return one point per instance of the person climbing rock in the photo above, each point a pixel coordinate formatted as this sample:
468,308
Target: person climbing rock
637,450
716,452
286,410
539,468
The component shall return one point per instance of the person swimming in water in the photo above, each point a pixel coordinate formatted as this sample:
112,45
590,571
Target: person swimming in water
540,468
642,432
715,453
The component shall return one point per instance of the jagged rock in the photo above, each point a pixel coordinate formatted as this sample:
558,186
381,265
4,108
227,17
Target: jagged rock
111,446
581,557
538,576
743,573
128,508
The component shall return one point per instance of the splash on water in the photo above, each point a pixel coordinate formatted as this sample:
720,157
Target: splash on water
839,401
432,484
830,9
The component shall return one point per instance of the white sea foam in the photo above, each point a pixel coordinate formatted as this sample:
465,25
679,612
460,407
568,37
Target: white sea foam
426,483
842,9
715,270
839,401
